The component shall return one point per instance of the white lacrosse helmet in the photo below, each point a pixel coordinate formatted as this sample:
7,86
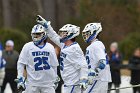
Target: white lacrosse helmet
91,31
68,32
38,34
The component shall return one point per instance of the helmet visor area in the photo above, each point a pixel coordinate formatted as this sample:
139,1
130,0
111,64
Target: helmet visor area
63,34
86,35
37,36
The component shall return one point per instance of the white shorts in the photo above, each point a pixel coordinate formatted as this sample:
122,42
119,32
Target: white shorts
35,89
97,87
72,89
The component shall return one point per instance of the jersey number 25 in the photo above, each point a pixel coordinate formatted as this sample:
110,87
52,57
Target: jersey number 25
39,61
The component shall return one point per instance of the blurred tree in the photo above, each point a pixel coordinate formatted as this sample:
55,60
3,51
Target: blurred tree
6,13
17,36
24,14
18,14
49,12
39,6
118,17
129,44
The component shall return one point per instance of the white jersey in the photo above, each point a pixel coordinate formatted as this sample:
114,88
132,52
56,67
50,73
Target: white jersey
0,55
2,68
40,64
2,61
73,64
94,52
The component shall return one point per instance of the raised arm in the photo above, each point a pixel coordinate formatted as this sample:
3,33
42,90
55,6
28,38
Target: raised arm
50,32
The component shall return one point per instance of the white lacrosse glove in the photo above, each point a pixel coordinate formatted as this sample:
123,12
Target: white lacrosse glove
42,21
92,75
56,82
20,83
83,84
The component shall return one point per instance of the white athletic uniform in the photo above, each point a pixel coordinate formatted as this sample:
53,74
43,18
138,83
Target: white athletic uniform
95,52
73,64
41,66
2,69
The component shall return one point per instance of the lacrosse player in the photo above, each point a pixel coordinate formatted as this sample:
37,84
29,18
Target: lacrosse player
2,67
74,69
99,69
41,63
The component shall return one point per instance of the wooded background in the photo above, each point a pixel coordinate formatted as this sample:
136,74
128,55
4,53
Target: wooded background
120,19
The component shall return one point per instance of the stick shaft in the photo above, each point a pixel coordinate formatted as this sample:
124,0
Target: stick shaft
125,87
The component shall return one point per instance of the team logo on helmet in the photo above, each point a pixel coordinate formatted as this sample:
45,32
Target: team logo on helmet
38,34
68,32
91,31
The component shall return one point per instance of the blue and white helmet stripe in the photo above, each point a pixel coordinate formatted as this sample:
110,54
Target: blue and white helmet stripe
38,29
72,32
91,31
91,37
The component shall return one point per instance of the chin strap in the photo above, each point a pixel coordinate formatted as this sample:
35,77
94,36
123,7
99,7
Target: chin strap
91,37
39,42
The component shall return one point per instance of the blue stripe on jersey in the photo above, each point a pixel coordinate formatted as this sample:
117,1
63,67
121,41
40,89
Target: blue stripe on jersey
72,89
41,46
1,46
107,60
92,86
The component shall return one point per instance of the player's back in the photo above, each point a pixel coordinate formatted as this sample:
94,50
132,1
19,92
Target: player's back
95,52
39,62
70,59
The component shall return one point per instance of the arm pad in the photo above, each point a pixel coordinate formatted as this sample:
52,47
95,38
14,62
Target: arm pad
101,66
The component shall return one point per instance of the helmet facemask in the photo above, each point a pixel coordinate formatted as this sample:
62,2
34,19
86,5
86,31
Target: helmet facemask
86,35
91,31
38,37
68,32
38,34
63,34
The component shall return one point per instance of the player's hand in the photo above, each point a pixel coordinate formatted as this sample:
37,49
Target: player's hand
20,83
42,21
56,82
83,84
92,74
